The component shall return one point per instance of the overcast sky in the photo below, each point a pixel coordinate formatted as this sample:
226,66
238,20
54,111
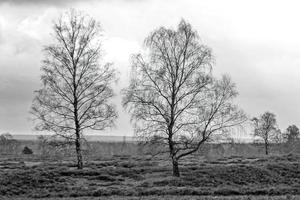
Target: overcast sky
256,42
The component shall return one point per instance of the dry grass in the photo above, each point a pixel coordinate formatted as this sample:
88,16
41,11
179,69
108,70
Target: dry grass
129,177
168,197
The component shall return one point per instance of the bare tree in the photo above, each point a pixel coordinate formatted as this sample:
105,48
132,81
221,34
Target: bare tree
265,128
172,96
76,89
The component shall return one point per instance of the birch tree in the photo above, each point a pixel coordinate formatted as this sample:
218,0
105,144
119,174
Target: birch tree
76,88
173,95
265,128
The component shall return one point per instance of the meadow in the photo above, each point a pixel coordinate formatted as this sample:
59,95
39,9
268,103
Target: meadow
127,171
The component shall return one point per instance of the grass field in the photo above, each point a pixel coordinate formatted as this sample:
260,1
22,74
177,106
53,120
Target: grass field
139,177
170,197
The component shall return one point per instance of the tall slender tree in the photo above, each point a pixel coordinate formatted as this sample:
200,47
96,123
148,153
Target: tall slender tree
173,98
76,88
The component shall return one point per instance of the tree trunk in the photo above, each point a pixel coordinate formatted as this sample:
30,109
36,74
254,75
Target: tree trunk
266,148
176,172
78,152
77,128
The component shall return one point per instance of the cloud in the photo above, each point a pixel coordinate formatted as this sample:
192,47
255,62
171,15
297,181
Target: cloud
260,51
1,37
56,2
40,2
1,30
16,94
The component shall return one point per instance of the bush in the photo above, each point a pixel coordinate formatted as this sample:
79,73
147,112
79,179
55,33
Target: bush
27,150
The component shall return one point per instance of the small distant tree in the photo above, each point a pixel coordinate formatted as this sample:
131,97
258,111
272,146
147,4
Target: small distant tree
265,128
173,98
42,144
292,133
8,144
54,147
278,136
76,91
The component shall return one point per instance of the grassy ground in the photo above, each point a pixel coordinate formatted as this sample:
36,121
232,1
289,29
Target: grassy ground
168,197
124,176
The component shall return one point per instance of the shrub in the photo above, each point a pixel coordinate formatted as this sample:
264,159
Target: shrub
27,150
